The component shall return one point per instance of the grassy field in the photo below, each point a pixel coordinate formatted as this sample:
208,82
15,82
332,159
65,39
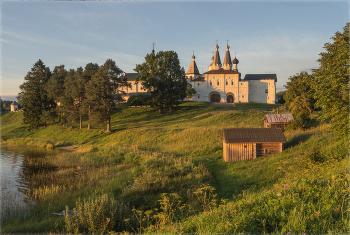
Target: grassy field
182,185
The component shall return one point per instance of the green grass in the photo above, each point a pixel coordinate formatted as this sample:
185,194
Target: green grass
182,184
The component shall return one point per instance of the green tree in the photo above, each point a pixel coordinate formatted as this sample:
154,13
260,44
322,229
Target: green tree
33,96
104,91
164,79
55,90
331,83
69,98
85,107
280,95
299,98
190,91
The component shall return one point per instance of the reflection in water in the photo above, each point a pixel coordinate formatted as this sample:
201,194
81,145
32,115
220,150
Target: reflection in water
17,166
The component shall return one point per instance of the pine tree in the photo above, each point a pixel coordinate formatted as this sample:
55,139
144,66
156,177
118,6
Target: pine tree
85,107
55,90
33,96
69,99
104,91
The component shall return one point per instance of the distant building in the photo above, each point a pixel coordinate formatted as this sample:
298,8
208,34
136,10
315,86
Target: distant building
277,120
249,143
14,106
222,83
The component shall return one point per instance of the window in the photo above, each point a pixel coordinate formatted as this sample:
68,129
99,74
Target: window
242,96
198,96
198,84
266,90
266,151
218,83
241,84
231,82
210,83
226,82
131,88
245,146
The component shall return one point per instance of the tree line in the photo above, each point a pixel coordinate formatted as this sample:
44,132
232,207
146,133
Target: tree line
70,95
326,88
91,93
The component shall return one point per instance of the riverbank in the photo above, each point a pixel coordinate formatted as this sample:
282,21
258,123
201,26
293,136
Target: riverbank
182,185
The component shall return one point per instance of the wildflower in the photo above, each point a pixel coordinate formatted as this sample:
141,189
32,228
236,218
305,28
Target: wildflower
228,222
303,233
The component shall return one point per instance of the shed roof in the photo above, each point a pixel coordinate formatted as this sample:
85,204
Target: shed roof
253,135
260,77
278,118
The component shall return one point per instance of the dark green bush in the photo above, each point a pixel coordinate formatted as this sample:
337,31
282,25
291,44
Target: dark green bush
139,99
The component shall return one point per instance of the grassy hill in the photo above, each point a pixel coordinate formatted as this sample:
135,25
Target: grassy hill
182,185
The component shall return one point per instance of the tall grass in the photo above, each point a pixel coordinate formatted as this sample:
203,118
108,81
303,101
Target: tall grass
182,185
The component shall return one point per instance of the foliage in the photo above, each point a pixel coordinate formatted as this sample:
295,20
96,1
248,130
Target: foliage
190,91
331,83
104,91
139,99
163,78
33,96
98,214
280,96
299,99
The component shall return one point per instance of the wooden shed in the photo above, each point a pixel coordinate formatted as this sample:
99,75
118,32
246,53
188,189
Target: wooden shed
249,143
277,120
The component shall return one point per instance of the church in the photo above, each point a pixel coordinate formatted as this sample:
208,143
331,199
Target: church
222,83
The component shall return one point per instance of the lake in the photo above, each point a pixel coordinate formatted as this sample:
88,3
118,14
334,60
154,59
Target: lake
17,166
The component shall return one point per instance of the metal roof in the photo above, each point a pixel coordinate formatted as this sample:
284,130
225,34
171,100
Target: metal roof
222,71
253,135
193,69
217,56
131,76
278,118
260,77
227,59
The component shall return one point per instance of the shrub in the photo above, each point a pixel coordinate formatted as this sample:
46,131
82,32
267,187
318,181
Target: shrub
139,99
99,214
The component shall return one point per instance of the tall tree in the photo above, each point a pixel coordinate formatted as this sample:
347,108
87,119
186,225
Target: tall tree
104,91
33,95
69,99
164,79
85,107
331,85
55,90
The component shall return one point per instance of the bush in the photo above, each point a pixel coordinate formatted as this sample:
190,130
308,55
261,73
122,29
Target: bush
139,99
315,156
99,214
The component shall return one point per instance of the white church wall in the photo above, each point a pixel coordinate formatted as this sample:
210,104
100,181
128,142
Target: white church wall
262,91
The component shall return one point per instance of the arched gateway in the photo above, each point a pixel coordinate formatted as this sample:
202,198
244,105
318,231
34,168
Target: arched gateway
229,98
215,97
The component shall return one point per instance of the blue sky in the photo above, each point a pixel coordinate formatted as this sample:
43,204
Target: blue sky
282,37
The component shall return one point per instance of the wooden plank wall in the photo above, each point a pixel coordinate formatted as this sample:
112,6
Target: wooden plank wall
237,152
272,149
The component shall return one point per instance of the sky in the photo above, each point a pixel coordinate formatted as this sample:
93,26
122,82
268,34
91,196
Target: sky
279,37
